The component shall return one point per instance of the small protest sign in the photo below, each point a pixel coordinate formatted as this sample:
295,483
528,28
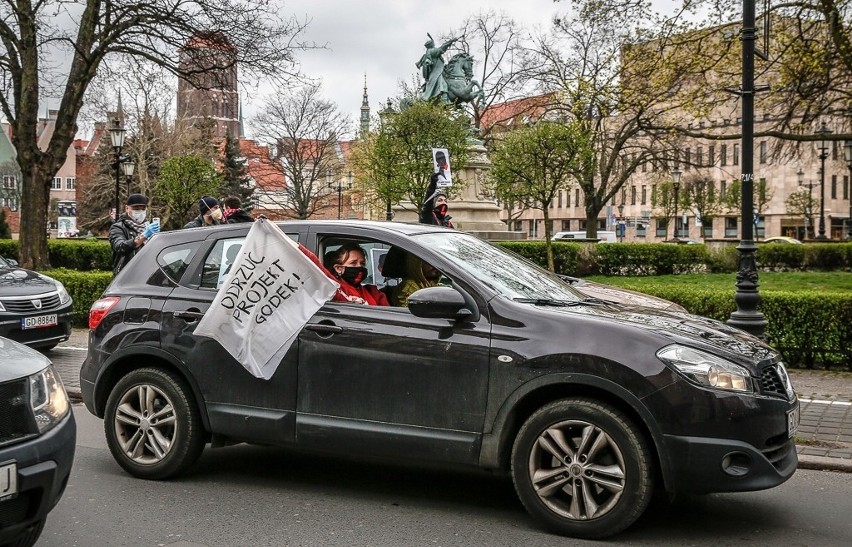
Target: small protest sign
441,165
267,297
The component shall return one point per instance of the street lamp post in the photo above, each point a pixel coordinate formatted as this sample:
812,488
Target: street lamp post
116,135
800,176
621,223
339,189
822,145
676,185
128,167
847,152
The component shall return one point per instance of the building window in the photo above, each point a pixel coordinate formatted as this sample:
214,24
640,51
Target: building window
641,229
707,228
686,159
683,227
723,154
533,232
566,225
577,197
10,182
730,226
644,195
559,198
70,183
632,195
760,227
699,156
662,227
567,198
56,184
846,188
711,155
519,226
833,186
736,158
763,152
723,188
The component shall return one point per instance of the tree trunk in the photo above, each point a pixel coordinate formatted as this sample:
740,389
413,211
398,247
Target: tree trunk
34,202
548,245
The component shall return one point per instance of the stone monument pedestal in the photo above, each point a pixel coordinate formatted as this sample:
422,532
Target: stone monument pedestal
473,211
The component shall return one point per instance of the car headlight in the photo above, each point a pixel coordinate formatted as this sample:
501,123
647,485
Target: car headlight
705,369
64,297
47,398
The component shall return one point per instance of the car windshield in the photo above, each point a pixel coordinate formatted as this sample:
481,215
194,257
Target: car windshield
507,274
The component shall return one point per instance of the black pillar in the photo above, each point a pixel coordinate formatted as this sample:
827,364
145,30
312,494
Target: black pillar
747,317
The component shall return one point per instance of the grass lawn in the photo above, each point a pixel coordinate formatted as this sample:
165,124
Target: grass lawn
769,281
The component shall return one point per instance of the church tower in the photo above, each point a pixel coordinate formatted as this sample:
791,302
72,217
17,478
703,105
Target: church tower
211,91
365,111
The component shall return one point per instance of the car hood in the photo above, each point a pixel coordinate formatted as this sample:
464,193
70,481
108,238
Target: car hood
21,282
17,360
684,328
623,296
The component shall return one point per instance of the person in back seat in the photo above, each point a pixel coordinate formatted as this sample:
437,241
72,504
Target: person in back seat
419,276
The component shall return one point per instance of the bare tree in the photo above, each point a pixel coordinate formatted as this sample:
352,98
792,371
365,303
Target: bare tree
32,34
304,130
700,195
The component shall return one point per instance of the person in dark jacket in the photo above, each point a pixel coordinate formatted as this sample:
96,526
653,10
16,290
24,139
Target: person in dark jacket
234,213
130,231
435,209
210,214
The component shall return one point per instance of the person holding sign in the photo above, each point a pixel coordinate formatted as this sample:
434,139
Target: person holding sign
435,210
350,270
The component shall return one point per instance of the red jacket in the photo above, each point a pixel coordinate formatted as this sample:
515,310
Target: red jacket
369,293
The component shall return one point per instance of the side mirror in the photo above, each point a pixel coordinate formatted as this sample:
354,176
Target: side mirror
438,303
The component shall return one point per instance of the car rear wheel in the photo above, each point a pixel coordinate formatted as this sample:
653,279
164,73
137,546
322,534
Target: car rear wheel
582,468
152,424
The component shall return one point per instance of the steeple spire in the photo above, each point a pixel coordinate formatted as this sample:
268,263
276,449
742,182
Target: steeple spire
365,111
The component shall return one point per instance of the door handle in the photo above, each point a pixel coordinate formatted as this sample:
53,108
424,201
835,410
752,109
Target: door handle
323,328
190,316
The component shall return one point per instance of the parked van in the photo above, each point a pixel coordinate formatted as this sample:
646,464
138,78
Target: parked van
603,235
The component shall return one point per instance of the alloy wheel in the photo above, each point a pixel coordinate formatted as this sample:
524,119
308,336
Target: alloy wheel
145,424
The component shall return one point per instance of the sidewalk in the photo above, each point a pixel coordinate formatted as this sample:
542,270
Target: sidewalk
824,439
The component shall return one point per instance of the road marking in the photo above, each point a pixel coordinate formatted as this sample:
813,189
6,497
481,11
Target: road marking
823,402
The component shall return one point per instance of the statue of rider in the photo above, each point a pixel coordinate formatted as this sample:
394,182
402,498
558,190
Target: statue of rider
432,65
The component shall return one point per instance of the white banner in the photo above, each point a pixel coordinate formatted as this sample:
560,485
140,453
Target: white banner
268,296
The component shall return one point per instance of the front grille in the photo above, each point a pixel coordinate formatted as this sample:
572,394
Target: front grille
777,449
771,384
19,509
16,421
26,305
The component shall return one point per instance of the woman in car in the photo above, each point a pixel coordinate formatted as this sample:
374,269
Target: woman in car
419,276
349,269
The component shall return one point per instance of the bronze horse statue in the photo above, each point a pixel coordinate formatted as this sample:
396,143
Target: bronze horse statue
461,87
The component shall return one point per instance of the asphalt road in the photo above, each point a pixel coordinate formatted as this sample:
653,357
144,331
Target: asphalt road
256,496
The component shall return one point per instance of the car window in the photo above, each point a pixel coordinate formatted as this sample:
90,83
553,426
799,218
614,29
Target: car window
218,262
174,261
374,251
505,273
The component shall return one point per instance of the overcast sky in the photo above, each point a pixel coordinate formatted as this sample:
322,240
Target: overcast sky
384,38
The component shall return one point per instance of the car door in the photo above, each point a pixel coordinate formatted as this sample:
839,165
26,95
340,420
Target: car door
379,381
238,404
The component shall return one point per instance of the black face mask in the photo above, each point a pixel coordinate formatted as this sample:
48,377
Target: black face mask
353,275
441,210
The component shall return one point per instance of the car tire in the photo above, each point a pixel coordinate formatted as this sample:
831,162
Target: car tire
30,535
582,468
152,424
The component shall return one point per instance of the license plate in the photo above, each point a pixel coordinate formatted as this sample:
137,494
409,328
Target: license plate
39,321
8,481
793,417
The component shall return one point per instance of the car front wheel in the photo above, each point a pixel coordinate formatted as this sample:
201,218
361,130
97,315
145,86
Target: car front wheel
582,468
152,424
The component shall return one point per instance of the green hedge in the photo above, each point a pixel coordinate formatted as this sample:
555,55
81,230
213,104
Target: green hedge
646,259
74,254
84,288
811,329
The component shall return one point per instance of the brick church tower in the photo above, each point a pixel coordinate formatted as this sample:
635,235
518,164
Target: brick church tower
211,94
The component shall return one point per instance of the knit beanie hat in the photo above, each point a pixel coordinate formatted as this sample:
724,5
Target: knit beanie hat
438,192
207,203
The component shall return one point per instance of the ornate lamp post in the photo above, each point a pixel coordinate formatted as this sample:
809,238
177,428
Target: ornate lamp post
116,135
621,224
822,145
800,176
847,153
128,167
747,297
339,189
676,185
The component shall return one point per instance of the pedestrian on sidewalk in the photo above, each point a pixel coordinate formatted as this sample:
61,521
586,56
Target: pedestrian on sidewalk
210,214
130,231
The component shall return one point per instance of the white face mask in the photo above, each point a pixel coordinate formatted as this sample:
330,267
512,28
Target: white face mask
216,214
138,216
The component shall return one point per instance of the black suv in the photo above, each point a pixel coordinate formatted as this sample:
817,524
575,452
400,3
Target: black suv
588,404
35,309
37,435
